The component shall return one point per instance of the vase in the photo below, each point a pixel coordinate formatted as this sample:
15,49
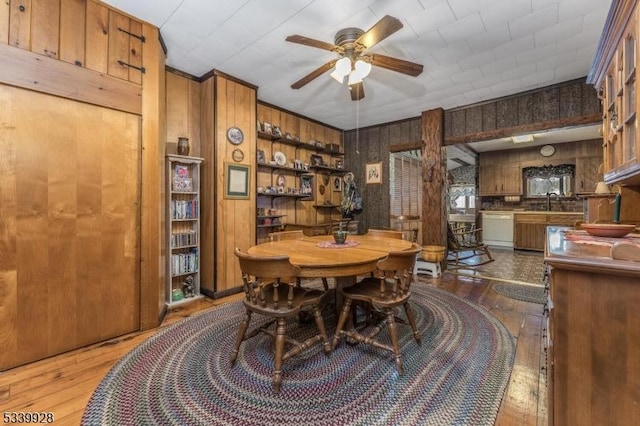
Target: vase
340,237
183,146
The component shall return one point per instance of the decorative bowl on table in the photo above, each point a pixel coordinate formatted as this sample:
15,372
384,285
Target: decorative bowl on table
614,230
340,236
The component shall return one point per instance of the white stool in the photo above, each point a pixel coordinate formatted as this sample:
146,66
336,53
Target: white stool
425,267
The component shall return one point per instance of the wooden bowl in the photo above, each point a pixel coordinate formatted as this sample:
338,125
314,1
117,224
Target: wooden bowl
614,230
433,253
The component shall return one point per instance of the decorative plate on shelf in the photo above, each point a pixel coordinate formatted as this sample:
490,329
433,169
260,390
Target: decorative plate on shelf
280,158
235,135
615,230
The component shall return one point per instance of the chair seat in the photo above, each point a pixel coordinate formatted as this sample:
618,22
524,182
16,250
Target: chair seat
368,290
285,308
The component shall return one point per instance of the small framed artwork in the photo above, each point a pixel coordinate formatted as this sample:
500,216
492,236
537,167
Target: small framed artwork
337,184
316,160
236,184
339,164
374,173
266,127
277,131
306,185
260,158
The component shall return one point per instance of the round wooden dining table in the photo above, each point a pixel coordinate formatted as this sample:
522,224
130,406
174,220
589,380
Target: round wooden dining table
320,257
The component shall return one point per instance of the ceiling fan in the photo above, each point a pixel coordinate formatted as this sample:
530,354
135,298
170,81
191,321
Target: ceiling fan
354,62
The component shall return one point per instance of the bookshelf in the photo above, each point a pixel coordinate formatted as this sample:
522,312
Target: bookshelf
183,229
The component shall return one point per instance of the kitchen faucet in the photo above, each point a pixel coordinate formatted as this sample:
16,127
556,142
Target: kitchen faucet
549,194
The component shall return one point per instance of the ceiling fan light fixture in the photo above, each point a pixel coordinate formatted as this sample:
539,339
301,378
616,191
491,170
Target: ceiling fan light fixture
354,78
337,76
362,68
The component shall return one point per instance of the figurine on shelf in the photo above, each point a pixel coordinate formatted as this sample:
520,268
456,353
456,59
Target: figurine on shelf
187,287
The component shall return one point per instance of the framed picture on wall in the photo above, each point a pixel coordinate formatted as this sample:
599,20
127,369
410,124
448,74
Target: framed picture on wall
316,160
374,173
306,186
260,158
236,184
337,184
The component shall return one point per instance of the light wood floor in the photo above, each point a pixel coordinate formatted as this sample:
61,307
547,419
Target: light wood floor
63,384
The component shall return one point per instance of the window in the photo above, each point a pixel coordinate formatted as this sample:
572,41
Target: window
405,174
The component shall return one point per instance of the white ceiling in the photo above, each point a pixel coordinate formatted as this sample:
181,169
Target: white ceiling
472,50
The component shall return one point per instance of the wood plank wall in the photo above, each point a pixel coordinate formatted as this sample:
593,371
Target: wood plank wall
567,104
183,105
70,49
81,32
371,145
235,219
300,212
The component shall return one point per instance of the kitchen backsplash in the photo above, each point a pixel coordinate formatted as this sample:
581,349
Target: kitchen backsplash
536,204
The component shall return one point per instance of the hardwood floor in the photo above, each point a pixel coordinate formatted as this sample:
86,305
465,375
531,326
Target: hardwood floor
63,384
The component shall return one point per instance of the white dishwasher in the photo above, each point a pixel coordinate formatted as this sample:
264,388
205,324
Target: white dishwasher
497,229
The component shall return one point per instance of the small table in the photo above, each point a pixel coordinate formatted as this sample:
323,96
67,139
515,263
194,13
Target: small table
344,264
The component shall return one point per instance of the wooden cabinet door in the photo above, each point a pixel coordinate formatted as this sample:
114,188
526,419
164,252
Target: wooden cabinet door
489,180
587,174
71,254
530,230
511,179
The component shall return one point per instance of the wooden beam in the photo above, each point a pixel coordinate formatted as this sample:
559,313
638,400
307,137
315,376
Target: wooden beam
31,71
506,132
434,165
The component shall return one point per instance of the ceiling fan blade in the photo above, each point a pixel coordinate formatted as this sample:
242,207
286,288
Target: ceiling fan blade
380,30
395,64
357,91
314,74
313,43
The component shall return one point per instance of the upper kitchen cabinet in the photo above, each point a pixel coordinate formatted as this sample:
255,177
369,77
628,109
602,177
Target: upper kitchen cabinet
500,174
614,75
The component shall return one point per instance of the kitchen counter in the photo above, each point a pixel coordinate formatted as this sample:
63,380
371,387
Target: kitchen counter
592,337
535,212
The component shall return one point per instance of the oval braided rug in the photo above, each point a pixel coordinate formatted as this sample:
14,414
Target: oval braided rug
181,376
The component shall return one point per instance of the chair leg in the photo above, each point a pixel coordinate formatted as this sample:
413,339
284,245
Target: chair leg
393,333
412,321
277,363
242,329
323,332
341,321
325,284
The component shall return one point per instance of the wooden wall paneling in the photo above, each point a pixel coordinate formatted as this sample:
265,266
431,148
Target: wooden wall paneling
118,45
457,122
209,188
235,106
507,112
525,109
4,22
135,52
177,105
473,119
546,105
72,31
194,117
40,73
489,117
97,37
20,24
152,276
45,27
570,101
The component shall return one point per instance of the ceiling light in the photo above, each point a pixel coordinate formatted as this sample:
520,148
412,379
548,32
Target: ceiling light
522,138
343,68
362,68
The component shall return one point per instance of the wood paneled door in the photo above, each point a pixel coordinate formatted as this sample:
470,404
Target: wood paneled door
69,225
